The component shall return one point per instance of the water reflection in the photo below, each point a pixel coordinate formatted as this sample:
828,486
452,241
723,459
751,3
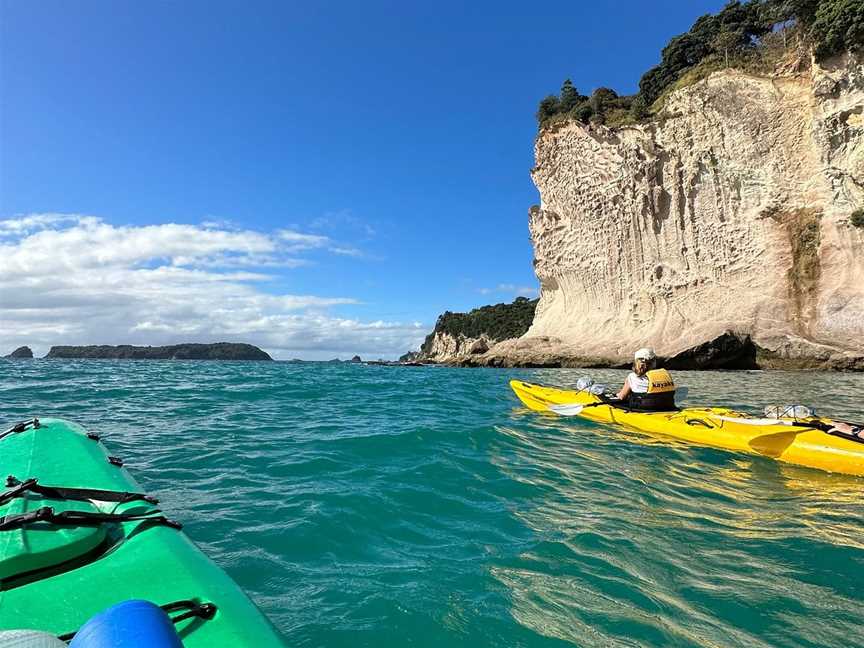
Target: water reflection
676,544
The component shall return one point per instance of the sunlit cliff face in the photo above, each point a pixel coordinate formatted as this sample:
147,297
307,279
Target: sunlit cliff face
729,211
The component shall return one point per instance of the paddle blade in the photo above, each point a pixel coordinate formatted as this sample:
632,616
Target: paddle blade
567,410
774,445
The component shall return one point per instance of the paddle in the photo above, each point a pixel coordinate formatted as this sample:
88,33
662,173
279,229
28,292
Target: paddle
576,410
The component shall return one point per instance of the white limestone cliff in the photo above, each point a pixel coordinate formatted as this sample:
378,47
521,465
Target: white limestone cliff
728,212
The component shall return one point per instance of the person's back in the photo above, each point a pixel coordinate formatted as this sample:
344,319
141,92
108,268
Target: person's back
646,387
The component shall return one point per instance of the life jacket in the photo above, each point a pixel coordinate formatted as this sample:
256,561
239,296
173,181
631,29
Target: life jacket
660,396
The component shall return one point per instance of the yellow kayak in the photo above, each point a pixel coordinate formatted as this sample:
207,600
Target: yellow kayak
791,440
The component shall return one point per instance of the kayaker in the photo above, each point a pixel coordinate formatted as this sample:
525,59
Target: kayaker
646,387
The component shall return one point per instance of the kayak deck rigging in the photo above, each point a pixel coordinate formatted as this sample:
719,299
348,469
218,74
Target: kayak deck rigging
78,536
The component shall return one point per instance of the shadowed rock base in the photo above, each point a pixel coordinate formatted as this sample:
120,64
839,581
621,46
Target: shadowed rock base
729,351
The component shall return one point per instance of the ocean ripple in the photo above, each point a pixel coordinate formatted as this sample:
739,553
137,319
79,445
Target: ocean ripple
382,506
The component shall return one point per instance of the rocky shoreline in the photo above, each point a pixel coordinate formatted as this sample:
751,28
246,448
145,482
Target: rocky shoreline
729,351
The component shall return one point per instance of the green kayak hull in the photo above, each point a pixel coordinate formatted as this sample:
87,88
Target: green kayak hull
54,577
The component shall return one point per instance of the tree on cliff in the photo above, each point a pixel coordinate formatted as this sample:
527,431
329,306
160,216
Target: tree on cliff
838,25
570,97
730,37
549,107
725,42
736,29
802,10
602,99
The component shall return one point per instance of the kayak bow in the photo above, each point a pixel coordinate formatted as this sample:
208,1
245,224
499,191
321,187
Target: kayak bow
77,536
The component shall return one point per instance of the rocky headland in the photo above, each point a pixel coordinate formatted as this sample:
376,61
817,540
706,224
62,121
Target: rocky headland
467,338
726,230
217,351
731,213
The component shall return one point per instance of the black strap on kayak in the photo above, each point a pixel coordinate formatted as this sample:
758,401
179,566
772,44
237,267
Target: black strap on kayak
18,488
205,611
21,426
80,518
699,421
625,406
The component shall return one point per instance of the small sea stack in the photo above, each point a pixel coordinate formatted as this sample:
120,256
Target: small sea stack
21,353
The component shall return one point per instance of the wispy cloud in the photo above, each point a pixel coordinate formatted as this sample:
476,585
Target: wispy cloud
298,241
512,289
344,223
73,279
346,251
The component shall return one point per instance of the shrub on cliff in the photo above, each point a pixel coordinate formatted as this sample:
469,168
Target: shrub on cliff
742,34
730,33
548,108
497,322
857,218
838,26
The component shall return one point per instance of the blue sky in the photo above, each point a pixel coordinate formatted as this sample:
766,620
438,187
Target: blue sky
396,137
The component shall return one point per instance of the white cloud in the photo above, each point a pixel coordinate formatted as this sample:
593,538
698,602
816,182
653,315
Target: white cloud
346,251
512,289
70,279
32,222
299,241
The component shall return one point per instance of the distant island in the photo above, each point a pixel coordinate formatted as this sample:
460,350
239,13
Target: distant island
20,353
217,351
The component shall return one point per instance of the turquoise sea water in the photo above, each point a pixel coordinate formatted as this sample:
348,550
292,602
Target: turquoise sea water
394,506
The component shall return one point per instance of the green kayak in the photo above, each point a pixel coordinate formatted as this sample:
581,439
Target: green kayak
77,535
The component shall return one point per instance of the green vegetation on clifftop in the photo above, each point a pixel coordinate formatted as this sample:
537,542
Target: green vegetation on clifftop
498,322
746,35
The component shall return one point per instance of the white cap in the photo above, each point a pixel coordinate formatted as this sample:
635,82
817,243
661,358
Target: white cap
646,353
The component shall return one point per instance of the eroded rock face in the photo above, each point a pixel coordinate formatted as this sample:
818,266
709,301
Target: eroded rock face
454,349
728,213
